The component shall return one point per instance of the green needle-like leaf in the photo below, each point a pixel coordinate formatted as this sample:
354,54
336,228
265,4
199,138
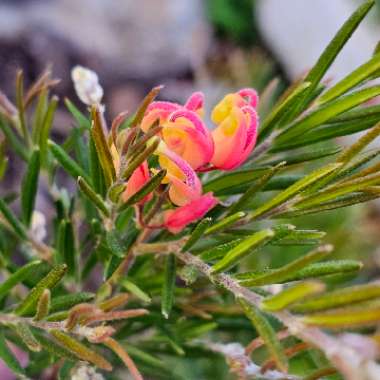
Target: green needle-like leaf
344,318
254,242
332,50
325,112
104,153
93,196
339,297
80,350
225,223
362,73
291,295
9,359
67,162
17,277
145,190
266,332
14,223
29,187
289,270
28,305
293,190
197,233
167,298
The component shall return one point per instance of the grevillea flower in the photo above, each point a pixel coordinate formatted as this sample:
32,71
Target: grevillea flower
176,220
183,131
236,132
184,182
137,180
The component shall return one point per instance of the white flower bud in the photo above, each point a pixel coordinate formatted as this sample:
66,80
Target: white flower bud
86,84
38,226
85,372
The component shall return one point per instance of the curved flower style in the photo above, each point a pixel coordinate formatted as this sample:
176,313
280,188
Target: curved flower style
137,180
236,132
176,220
183,129
185,191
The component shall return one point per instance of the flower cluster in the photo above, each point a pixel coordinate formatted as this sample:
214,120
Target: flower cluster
187,147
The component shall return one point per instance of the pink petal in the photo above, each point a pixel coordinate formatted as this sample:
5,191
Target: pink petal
137,180
180,193
195,101
158,111
229,145
251,95
176,220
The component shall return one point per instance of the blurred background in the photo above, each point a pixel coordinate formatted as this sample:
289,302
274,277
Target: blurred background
215,46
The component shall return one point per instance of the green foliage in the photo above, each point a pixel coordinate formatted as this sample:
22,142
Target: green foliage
112,287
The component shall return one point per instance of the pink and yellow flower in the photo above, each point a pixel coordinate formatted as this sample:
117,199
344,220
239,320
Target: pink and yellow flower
187,145
176,220
183,131
236,131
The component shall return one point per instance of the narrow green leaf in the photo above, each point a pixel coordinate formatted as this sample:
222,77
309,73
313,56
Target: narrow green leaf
104,154
82,120
14,141
55,349
135,290
17,277
219,251
43,305
345,201
29,187
9,359
315,270
266,332
14,223
293,190
362,73
93,196
67,162
225,222
360,113
145,357
289,270
354,149
140,158
291,295
256,187
68,301
335,191
144,105
244,248
96,173
46,127
146,189
327,132
235,178
295,158
80,350
339,297
344,318
66,246
167,297
332,50
39,115
28,305
197,233
281,109
23,331
327,111
20,105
